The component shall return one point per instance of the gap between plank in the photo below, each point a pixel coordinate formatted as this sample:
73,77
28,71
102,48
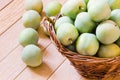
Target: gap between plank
6,5
20,73
10,26
16,47
9,53
56,68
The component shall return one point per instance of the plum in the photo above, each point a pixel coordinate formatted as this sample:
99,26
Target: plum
87,44
107,33
114,4
32,55
72,7
53,8
84,23
115,16
28,36
61,20
67,34
31,19
98,10
34,5
109,51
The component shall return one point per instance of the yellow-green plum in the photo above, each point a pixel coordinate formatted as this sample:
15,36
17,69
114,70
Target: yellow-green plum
107,33
84,23
53,8
31,19
72,7
67,33
87,44
110,21
61,20
98,10
34,5
28,36
32,55
109,51
115,16
114,4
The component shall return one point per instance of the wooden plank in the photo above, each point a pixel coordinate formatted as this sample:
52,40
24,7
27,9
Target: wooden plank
9,40
51,61
65,72
68,72
12,65
10,14
4,3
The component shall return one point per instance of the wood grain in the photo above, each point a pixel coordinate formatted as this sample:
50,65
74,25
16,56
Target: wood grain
12,65
65,72
54,67
13,62
9,40
10,15
51,61
4,3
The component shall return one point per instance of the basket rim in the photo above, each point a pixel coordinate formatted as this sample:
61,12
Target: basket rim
48,24
104,67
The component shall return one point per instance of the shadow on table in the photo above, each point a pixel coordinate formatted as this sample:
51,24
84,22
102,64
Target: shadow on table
43,70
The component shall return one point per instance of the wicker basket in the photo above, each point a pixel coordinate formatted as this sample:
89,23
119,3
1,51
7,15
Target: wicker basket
89,67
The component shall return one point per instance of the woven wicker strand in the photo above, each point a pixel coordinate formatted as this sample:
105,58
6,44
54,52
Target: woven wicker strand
89,67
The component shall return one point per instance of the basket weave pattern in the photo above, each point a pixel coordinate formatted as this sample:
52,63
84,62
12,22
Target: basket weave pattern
89,67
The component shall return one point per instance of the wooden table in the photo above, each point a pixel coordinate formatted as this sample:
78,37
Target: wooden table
54,67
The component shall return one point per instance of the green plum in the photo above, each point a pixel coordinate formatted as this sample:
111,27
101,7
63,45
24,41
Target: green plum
72,7
86,1
32,55
115,16
84,23
61,20
67,34
114,4
98,10
31,19
87,44
72,47
28,36
53,8
118,42
109,51
107,33
34,5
